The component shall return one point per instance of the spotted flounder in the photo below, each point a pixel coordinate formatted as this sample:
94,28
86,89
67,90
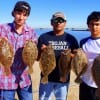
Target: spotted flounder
29,54
96,70
47,62
79,63
6,55
64,64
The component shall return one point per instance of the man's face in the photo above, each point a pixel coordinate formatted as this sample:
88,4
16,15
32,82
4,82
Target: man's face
94,27
20,17
59,24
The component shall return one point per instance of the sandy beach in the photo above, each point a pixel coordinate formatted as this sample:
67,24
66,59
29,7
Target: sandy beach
73,89
73,92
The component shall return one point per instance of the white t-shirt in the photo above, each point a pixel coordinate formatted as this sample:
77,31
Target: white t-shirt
92,49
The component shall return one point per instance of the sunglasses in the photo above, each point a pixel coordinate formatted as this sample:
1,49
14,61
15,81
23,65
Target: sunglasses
59,20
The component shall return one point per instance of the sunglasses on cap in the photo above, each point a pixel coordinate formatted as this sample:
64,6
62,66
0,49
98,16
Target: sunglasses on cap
58,20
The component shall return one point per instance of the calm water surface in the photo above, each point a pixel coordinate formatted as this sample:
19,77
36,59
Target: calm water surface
78,34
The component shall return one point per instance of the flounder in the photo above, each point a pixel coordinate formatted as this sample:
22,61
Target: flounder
64,64
79,64
96,70
6,55
29,54
47,62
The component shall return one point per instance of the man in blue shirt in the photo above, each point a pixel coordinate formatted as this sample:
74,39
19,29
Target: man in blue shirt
60,40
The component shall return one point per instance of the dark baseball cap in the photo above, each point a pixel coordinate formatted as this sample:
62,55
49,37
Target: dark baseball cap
22,5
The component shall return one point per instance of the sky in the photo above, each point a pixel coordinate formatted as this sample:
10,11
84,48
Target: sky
76,11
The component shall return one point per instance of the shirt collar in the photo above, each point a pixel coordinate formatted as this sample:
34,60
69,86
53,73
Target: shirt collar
25,28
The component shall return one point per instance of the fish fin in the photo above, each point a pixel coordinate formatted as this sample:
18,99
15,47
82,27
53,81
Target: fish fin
78,80
30,70
44,80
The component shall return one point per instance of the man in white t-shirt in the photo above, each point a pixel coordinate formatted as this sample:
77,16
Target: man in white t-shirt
91,46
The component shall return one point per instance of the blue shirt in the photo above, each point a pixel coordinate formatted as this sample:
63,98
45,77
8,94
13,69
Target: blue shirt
59,44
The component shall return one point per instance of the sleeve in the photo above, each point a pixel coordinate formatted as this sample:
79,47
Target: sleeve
2,31
39,48
83,41
40,42
43,39
34,37
74,44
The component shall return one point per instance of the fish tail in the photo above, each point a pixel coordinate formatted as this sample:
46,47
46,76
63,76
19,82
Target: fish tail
78,80
44,80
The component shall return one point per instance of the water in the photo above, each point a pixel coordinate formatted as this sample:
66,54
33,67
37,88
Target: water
78,34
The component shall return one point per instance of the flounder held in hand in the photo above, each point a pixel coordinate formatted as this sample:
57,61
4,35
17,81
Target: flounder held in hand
29,54
47,62
79,63
64,64
96,70
6,55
